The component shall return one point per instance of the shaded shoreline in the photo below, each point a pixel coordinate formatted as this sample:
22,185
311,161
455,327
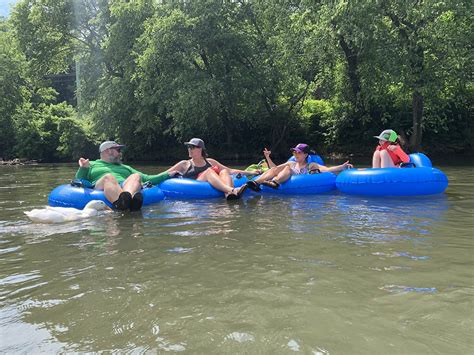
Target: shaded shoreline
18,162
365,160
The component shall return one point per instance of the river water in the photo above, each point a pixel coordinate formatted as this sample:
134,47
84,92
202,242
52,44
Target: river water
325,274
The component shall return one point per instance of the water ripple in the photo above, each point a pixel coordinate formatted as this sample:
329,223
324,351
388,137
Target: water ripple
10,250
167,346
399,289
30,304
293,345
19,278
240,337
180,250
401,254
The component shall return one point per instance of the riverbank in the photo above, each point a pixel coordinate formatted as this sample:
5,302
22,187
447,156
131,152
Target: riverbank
18,162
465,158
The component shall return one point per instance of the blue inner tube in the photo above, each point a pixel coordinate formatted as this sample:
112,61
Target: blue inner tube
305,184
78,197
312,158
183,188
297,185
420,180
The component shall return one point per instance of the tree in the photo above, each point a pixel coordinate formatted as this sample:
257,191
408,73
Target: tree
237,73
417,25
12,92
192,69
43,31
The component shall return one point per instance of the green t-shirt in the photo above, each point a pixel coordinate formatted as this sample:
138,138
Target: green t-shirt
99,168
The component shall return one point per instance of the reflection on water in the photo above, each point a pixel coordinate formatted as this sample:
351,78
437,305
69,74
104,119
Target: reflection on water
402,289
380,220
310,274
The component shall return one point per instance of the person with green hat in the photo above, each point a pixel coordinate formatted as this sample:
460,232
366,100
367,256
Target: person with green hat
388,153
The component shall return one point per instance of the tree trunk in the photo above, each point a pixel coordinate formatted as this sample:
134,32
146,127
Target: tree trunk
415,139
417,66
278,134
229,134
352,70
409,33
229,110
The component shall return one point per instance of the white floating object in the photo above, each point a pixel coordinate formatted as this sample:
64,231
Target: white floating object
66,214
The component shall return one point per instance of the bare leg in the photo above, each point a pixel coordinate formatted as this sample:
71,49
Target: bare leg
226,178
283,175
211,176
376,159
133,184
269,174
385,160
108,183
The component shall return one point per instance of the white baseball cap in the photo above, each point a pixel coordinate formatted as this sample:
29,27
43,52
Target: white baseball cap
109,144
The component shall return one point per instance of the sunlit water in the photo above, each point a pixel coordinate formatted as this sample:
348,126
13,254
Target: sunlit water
327,274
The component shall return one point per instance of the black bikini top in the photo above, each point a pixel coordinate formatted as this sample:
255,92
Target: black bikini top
193,170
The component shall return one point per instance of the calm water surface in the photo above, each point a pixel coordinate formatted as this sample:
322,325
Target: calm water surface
327,274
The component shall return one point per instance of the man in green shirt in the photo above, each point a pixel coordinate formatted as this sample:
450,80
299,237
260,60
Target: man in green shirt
121,183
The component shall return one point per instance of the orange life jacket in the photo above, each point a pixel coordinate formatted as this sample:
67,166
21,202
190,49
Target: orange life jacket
398,156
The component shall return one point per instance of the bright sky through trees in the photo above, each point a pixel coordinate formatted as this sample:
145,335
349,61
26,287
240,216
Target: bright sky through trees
5,7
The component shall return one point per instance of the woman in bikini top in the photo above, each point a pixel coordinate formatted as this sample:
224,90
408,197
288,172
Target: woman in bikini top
201,168
194,171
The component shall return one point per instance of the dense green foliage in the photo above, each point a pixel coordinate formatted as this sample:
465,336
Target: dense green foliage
239,74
